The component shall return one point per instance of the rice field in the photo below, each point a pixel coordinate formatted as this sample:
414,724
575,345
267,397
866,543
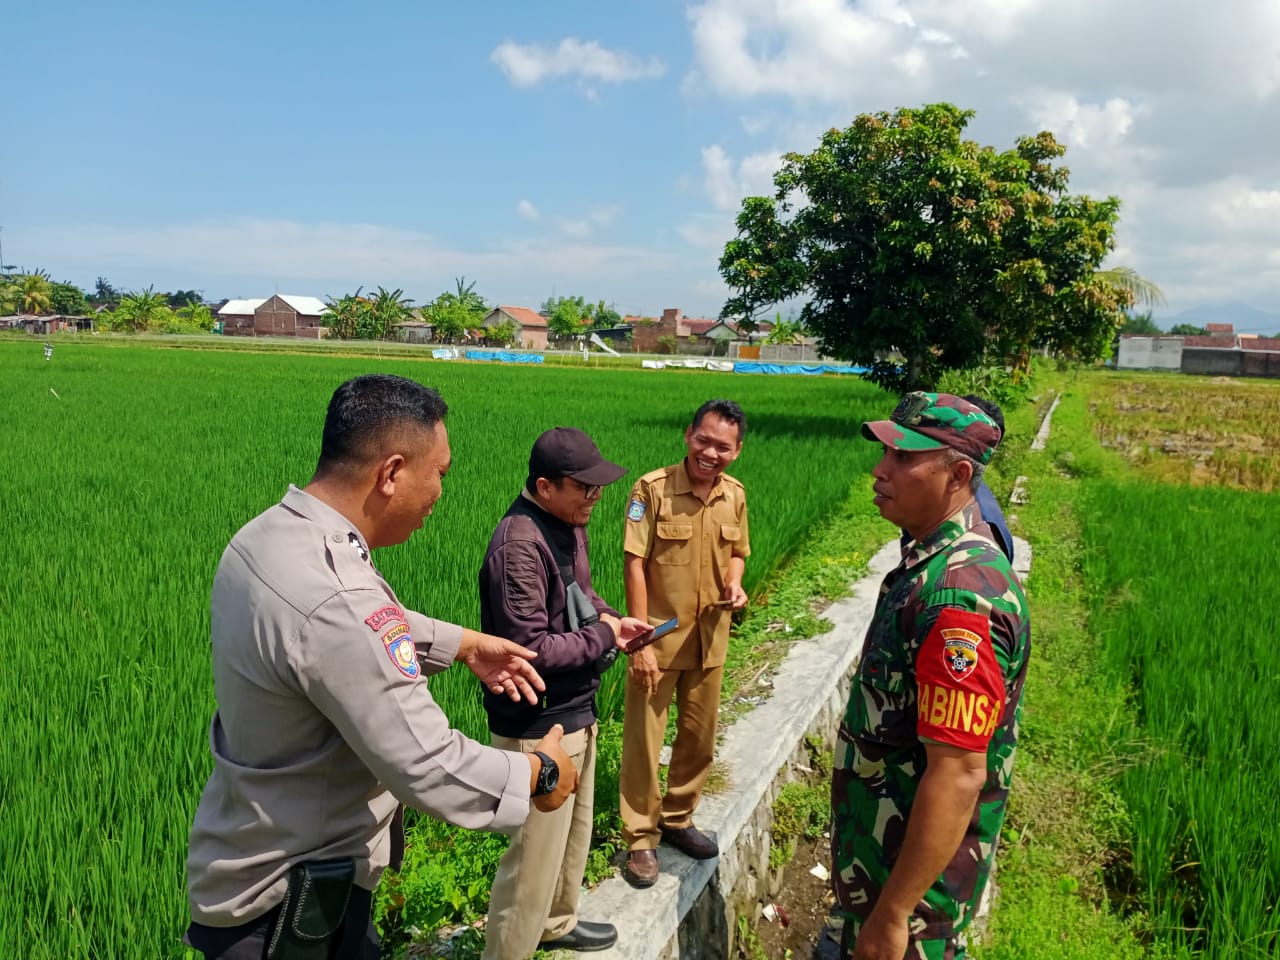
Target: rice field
1187,605
1192,430
124,472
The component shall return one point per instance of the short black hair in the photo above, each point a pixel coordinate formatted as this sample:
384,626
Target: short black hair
365,410
992,410
725,410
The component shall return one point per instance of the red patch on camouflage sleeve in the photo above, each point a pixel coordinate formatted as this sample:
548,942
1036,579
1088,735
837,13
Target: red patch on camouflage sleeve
960,688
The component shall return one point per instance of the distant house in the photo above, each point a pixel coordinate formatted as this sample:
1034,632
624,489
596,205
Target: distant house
720,330
413,331
1219,328
531,326
283,315
47,323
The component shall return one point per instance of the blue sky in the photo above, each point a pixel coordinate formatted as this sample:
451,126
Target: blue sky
594,148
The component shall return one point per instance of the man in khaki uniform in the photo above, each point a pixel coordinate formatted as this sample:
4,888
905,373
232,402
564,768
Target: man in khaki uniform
325,724
686,545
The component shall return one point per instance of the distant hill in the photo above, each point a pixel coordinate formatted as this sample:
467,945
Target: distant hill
1245,318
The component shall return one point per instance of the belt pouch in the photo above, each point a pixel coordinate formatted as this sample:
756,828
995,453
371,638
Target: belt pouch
313,909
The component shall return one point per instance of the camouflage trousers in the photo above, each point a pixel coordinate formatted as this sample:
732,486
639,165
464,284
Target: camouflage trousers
952,949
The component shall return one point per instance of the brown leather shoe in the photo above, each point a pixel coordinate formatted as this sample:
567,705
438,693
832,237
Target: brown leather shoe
641,869
691,841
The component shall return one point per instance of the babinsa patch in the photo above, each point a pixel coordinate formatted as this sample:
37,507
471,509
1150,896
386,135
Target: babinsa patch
400,648
960,650
636,510
381,617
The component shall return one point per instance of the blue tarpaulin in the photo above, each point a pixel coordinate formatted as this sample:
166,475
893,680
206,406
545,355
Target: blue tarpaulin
503,357
809,369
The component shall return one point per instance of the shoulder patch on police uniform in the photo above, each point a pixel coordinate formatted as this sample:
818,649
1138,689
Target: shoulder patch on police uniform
399,647
636,510
384,615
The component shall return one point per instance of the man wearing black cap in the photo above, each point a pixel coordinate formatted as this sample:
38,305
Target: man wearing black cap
535,589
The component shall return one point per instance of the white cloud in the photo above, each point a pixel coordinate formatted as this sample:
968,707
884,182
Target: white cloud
585,226
726,184
526,210
527,65
707,231
1080,124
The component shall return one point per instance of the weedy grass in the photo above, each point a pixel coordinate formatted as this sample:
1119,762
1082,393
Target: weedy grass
124,471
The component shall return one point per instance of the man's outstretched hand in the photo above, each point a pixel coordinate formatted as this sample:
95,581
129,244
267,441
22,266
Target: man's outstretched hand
502,666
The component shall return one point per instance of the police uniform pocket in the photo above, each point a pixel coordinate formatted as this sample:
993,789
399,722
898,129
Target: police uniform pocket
673,546
730,532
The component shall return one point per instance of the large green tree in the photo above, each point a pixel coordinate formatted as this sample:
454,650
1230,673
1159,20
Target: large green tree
184,298
68,299
902,237
1141,323
456,311
566,316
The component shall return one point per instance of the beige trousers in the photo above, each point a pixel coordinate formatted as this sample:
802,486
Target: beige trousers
644,810
535,893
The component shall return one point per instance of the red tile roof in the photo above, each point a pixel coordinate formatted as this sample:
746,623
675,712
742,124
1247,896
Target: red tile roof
525,316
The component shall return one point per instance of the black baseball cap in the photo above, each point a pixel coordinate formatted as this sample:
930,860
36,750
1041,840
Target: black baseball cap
568,452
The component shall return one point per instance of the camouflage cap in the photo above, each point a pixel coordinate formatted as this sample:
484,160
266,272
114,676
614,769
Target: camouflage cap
931,421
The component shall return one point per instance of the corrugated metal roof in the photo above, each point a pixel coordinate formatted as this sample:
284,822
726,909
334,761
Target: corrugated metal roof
237,308
307,306
310,306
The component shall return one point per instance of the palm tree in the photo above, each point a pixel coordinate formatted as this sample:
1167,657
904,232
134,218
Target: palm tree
1138,289
386,309
34,293
140,311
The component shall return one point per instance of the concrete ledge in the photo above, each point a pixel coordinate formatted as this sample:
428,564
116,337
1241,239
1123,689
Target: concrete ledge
692,911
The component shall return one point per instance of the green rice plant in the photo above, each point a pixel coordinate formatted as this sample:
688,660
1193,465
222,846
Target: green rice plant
1186,597
125,470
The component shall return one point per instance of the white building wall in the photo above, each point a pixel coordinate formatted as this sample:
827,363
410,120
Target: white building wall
1150,353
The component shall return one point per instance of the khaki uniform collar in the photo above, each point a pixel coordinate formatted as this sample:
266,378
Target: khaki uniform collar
680,482
948,532
319,512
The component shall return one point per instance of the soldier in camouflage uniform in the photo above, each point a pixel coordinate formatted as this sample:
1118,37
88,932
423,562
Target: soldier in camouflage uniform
926,748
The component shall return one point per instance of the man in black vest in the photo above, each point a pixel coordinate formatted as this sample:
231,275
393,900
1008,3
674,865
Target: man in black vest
535,589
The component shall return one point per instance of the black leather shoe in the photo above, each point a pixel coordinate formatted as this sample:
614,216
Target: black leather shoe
584,938
691,841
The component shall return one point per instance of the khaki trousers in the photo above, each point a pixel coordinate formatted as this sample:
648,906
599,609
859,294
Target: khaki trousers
644,810
535,893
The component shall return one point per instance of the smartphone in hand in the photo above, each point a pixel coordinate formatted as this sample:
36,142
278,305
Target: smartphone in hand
658,632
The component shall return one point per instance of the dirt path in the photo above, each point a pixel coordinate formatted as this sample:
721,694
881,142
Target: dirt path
805,901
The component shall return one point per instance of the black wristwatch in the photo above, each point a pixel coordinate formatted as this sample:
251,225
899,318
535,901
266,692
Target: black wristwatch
548,776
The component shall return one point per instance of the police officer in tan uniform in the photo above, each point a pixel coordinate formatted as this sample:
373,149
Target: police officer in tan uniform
325,724
686,545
